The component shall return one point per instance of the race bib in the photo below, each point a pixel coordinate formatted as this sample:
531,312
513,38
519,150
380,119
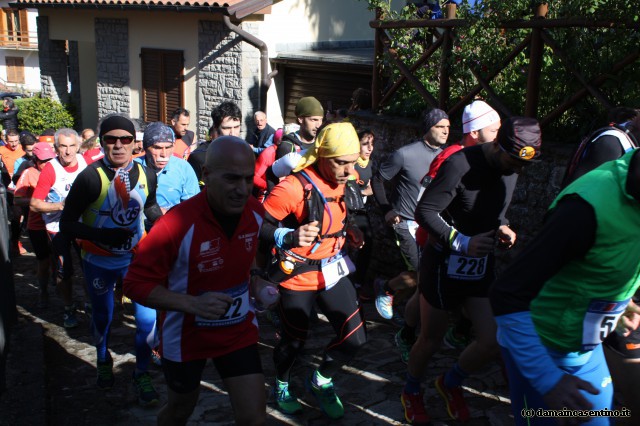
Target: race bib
335,268
237,311
466,268
600,320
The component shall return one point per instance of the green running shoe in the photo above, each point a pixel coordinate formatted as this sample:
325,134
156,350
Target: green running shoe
327,399
287,403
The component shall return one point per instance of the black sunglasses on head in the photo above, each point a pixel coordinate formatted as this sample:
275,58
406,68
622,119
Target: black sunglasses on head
110,139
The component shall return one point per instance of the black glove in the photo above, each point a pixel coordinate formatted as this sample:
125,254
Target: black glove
114,237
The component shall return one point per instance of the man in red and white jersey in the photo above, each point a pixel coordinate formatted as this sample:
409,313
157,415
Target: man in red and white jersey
195,267
48,198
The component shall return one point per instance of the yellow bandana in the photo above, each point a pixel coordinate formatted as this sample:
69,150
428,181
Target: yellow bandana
335,140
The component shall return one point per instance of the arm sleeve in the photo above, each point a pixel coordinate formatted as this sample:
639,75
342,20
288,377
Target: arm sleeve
436,198
380,194
85,190
260,173
151,208
568,234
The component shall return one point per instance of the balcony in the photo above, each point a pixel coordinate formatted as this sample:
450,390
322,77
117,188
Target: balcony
19,40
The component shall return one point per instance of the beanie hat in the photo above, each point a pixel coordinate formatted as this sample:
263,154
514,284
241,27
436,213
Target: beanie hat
433,117
116,122
520,137
309,107
478,115
157,132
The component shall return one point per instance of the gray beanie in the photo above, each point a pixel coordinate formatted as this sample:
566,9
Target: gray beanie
432,118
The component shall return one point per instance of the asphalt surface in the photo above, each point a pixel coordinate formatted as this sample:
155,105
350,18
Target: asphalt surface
51,373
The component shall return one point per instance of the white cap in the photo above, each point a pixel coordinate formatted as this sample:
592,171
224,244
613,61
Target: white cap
478,115
291,128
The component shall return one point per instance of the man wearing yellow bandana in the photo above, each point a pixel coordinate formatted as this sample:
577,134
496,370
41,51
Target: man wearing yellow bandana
311,265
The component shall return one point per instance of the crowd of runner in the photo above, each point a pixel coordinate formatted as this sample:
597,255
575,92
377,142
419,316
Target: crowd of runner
203,235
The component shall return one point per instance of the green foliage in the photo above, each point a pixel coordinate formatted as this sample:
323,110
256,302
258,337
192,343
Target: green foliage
38,114
483,45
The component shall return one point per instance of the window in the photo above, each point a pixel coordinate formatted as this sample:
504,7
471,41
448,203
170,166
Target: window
15,69
162,81
13,27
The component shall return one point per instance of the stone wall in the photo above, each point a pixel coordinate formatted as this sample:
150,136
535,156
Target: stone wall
112,55
219,70
536,188
53,63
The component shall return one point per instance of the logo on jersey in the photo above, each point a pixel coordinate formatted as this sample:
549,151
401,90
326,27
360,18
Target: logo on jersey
211,265
248,240
210,248
527,153
125,206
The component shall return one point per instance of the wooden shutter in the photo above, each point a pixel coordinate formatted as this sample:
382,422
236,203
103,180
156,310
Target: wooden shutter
23,33
162,83
15,69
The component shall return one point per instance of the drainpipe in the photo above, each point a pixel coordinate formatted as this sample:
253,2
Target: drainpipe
265,76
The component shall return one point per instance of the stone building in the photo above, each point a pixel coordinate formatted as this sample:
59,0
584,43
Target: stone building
147,58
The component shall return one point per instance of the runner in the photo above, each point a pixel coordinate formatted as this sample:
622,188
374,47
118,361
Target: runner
43,153
407,166
194,266
472,190
49,198
566,292
311,265
105,211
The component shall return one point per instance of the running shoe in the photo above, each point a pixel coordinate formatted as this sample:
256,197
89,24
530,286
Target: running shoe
286,402
384,300
452,341
456,405
147,395
404,346
69,319
105,379
327,399
414,412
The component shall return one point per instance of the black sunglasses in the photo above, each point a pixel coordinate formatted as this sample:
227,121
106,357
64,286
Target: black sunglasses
110,139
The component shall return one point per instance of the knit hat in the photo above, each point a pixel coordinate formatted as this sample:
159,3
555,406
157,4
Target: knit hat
116,122
433,117
43,151
521,138
309,107
478,115
335,140
157,132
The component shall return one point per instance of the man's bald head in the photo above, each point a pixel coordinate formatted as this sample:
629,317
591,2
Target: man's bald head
228,174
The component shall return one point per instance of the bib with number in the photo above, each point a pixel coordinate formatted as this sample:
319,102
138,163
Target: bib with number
466,268
600,320
236,312
335,268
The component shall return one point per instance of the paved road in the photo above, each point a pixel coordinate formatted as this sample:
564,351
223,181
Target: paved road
52,374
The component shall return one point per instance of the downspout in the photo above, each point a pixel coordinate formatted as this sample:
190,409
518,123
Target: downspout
265,75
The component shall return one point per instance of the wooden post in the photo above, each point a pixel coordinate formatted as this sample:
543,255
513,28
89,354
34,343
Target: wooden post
445,69
535,67
377,56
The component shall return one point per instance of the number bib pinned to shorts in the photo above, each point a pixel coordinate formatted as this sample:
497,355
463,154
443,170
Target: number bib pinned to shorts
236,312
466,268
600,320
335,268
